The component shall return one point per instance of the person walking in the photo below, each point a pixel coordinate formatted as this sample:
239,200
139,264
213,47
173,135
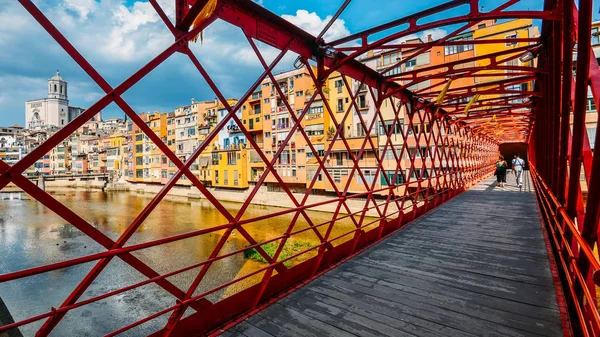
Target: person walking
501,167
517,168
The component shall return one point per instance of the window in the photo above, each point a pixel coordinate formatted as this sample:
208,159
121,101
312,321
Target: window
411,63
284,158
512,63
257,119
315,109
384,129
481,26
592,136
591,106
267,134
455,49
360,130
362,102
339,84
267,100
340,105
299,93
386,59
369,177
267,117
395,71
510,43
231,158
225,177
393,177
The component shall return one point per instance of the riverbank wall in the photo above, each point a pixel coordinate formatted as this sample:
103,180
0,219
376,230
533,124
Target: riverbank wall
191,193
262,198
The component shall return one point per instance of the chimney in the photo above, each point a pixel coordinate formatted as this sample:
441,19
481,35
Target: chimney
429,39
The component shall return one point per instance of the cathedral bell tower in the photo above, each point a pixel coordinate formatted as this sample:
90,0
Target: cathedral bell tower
57,87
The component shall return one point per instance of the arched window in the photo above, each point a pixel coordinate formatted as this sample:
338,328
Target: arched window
55,88
61,89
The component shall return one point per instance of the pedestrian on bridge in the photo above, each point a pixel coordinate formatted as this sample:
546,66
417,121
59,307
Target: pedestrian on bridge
501,167
517,167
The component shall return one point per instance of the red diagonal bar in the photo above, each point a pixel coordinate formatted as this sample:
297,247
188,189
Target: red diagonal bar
63,133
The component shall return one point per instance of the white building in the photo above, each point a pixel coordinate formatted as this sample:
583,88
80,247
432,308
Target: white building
53,110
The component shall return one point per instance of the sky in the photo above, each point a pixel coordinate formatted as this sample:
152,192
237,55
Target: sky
119,36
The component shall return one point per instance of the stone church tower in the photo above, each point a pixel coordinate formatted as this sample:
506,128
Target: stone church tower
53,110
57,87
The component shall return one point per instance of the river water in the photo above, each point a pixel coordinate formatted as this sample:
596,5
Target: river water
32,235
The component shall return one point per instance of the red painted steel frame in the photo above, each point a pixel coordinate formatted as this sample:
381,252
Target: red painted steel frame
441,153
558,155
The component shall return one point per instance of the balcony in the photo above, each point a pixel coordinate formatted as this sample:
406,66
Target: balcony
309,117
232,128
283,126
230,147
364,106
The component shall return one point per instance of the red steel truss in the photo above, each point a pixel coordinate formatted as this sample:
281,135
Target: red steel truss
463,147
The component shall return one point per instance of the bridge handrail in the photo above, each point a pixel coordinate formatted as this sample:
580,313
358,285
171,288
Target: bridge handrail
566,239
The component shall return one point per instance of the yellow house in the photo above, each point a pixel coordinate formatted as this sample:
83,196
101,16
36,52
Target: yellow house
230,168
114,153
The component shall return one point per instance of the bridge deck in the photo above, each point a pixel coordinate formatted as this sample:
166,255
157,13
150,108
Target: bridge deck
476,266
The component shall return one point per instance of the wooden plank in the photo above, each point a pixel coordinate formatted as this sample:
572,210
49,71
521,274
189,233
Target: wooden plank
475,266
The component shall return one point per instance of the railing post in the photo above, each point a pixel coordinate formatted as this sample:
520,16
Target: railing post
567,76
555,97
581,88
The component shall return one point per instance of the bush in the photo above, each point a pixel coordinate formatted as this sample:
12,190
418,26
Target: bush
289,249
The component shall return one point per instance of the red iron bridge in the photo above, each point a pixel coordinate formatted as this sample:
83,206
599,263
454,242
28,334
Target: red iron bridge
452,255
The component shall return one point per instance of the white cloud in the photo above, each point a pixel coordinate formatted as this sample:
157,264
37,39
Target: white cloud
117,38
82,7
313,24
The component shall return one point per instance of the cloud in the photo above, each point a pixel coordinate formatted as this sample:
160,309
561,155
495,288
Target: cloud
118,37
82,7
313,24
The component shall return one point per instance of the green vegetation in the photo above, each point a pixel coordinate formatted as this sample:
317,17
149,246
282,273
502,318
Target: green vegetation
289,249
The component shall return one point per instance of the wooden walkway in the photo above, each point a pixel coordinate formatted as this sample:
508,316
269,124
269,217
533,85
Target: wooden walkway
476,266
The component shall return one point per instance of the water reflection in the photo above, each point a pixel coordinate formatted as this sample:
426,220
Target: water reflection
32,235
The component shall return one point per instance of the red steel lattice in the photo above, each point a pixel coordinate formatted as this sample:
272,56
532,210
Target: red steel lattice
459,151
